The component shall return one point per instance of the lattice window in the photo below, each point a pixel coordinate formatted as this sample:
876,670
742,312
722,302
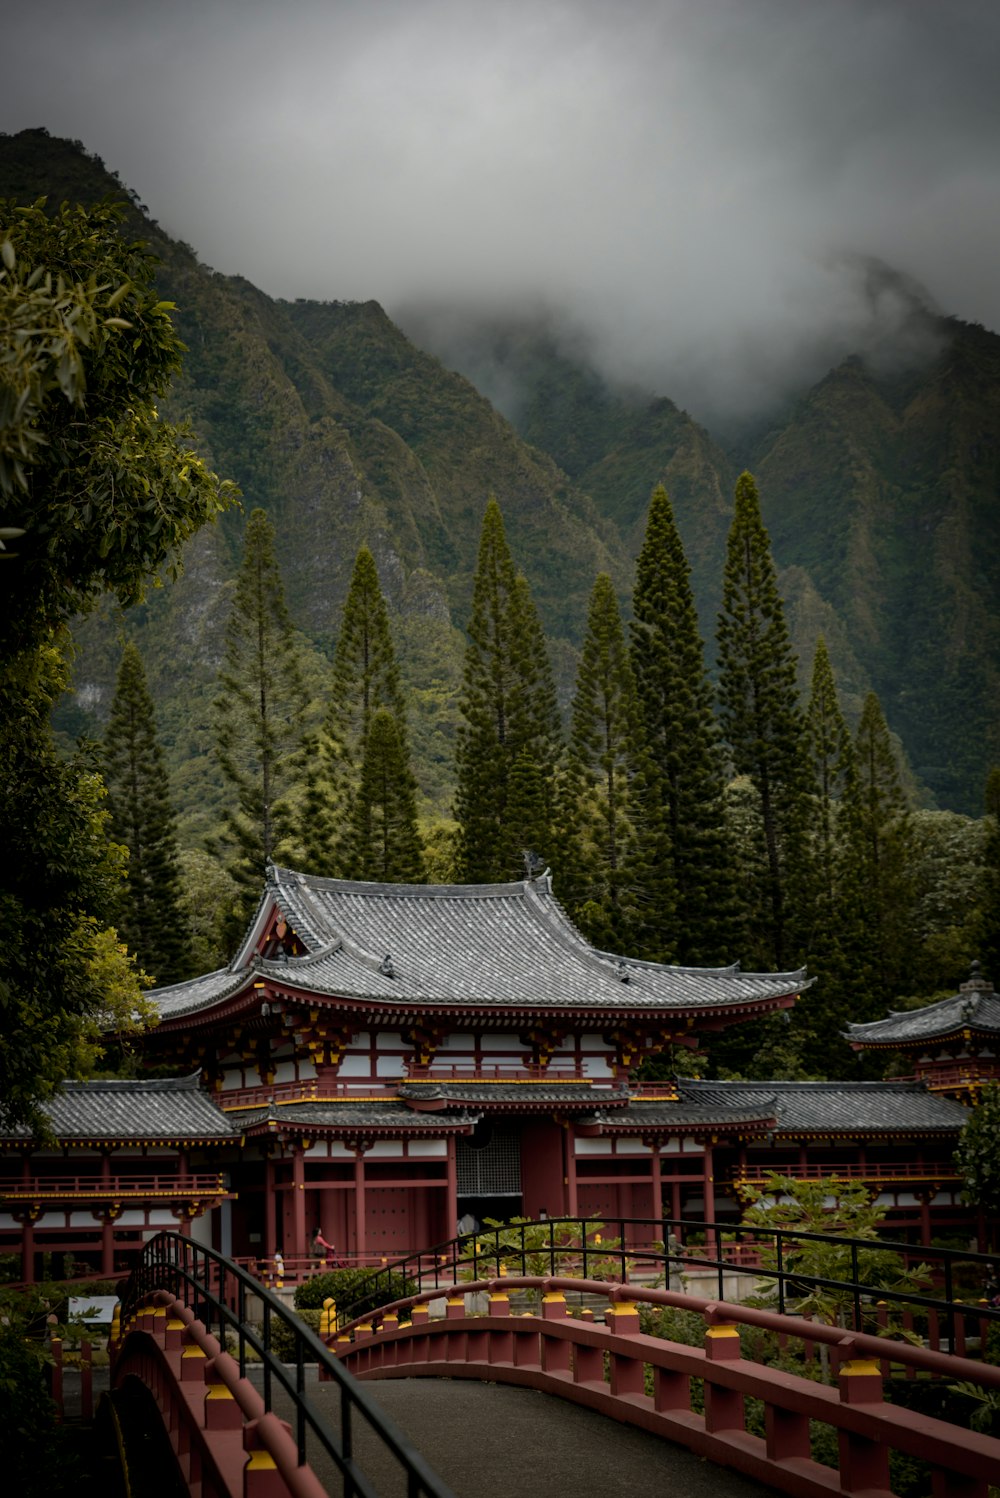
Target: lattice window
490,1165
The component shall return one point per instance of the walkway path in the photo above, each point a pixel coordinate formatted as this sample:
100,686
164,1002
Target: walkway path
517,1443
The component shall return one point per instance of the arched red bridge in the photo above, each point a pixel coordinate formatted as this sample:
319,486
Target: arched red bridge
244,1423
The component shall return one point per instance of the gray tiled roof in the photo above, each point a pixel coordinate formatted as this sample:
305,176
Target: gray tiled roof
172,1109
834,1107
692,1113
524,1094
370,1114
497,946
974,1009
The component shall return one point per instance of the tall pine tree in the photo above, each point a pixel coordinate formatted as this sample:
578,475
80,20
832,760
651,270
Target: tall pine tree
877,882
989,904
149,918
596,866
508,707
684,852
830,755
385,841
258,715
365,681
761,719
821,1015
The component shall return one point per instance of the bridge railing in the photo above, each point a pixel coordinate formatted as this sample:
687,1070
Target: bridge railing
943,1297
218,1296
718,1398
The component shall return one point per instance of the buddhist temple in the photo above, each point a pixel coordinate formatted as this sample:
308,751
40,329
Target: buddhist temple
954,1045
380,1061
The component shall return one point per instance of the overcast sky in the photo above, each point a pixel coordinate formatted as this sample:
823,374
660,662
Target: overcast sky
697,182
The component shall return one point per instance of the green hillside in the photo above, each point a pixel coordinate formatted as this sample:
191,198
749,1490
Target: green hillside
880,494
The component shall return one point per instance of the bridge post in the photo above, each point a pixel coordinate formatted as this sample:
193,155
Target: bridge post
864,1463
556,1351
500,1348
628,1376
723,1406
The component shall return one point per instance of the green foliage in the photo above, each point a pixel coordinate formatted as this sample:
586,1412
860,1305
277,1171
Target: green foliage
103,488
140,817
596,872
359,812
386,840
988,919
877,861
985,1415
64,980
33,1446
835,1207
259,713
760,717
354,1290
508,708
978,1152
683,846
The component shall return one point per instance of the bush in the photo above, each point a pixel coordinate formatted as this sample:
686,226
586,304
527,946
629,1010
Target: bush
354,1290
283,1334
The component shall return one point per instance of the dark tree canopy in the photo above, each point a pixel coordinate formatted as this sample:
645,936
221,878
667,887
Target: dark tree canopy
105,493
597,858
259,711
508,707
104,490
682,743
365,682
385,839
760,716
149,915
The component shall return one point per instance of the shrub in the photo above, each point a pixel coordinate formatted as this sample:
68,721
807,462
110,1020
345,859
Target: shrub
283,1334
355,1290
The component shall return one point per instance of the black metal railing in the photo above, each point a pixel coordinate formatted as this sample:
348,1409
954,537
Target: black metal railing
783,1259
219,1293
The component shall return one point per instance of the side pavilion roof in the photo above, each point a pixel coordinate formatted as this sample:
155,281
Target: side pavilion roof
975,1008
484,947
174,1110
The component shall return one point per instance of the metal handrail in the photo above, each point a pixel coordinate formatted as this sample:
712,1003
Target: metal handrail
216,1291
577,1245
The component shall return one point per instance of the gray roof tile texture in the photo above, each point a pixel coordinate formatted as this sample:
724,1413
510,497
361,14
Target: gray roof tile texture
834,1107
490,946
173,1109
976,1008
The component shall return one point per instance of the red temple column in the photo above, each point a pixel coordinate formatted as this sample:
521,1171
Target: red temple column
451,1205
360,1224
569,1147
270,1210
107,1245
655,1177
299,1247
708,1181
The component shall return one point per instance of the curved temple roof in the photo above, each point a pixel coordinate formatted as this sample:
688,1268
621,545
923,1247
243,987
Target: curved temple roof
974,1007
493,945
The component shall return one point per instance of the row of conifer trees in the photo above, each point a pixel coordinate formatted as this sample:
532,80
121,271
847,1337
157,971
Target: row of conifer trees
680,824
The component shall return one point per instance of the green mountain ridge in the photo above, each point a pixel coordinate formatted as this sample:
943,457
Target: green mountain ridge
880,495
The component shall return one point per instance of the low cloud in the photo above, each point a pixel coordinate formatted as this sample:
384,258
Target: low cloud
701,189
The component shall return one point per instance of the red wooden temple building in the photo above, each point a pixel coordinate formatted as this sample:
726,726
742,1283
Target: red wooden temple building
379,1061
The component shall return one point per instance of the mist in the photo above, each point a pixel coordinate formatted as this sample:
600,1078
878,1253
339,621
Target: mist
717,200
